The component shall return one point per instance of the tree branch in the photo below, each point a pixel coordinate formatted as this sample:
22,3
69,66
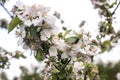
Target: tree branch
116,8
6,10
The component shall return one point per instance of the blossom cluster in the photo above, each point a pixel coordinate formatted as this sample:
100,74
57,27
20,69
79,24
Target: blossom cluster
102,5
80,46
98,3
38,32
35,15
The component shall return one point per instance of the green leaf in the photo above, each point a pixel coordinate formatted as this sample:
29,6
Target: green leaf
59,54
55,70
112,5
60,66
78,35
61,75
54,77
70,69
3,1
103,48
32,30
64,61
98,37
18,55
66,33
60,35
72,40
14,22
39,55
106,43
94,42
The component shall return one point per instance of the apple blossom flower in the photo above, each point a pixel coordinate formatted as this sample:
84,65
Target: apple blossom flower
45,34
18,8
30,15
53,51
72,50
57,44
92,50
21,31
78,67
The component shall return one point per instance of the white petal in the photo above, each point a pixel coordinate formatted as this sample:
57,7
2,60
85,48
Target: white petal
52,51
47,9
19,4
64,55
25,46
78,66
27,22
50,20
43,9
38,29
37,22
45,34
23,33
20,41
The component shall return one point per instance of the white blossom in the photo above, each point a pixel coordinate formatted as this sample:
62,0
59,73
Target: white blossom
21,31
20,41
31,15
78,66
49,21
58,44
18,8
45,34
45,30
49,28
72,50
52,51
